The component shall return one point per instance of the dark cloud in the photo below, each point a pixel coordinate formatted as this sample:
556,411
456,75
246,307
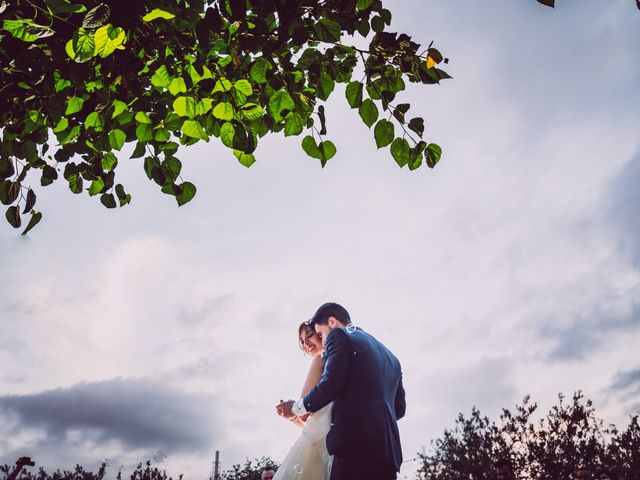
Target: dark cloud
620,215
134,413
628,381
586,333
624,209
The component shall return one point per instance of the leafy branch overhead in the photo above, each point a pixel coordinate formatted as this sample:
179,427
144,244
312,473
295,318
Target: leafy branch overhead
82,79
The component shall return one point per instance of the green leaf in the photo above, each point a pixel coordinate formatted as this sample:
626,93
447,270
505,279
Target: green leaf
116,139
433,153
310,147
354,94
400,151
63,6
222,85
123,197
327,151
13,216
223,111
139,151
328,30
30,202
377,24
363,4
27,30
325,87
293,125
118,108
177,86
161,78
252,111
227,134
188,190
193,129
363,27
185,106
109,161
109,39
246,159
259,69
142,117
94,120
9,191
162,135
68,47
203,106
97,16
61,83
62,124
244,87
71,136
383,133
368,112
173,166
35,219
157,13
144,132
83,45
417,125
400,110
96,186
386,16
74,105
414,161
75,183
108,200
279,103
49,174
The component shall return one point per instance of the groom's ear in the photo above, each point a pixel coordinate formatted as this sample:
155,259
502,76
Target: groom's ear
333,323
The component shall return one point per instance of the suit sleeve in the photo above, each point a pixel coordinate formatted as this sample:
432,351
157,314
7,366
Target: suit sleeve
334,377
401,404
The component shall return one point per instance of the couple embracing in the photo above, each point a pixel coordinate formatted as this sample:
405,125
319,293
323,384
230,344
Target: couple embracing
349,407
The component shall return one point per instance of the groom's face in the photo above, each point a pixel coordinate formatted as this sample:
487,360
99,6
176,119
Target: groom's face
323,330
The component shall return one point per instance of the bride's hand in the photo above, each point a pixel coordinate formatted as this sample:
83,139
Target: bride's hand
284,409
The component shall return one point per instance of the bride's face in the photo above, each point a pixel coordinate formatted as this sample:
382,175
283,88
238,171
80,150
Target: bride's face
311,343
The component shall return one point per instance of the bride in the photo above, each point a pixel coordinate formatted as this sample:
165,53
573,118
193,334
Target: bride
308,458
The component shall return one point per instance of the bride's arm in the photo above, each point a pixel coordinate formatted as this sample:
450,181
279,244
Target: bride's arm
313,377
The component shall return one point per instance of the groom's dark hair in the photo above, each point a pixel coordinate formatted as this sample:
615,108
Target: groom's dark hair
321,317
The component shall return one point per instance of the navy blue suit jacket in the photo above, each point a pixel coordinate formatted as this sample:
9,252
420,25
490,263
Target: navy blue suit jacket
364,381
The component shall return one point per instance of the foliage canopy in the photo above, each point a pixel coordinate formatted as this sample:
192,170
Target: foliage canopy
570,436
251,469
80,80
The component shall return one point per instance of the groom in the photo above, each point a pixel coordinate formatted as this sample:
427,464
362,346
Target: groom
364,381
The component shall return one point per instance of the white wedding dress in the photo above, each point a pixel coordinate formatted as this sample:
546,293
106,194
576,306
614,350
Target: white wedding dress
308,458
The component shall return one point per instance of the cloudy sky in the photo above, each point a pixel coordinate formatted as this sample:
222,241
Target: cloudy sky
512,268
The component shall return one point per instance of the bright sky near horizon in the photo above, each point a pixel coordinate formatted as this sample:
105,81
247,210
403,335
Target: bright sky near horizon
513,268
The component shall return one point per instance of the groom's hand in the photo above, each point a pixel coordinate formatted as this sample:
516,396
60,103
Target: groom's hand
284,409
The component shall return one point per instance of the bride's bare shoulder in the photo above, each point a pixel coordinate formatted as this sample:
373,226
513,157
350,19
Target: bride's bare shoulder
313,377
317,362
